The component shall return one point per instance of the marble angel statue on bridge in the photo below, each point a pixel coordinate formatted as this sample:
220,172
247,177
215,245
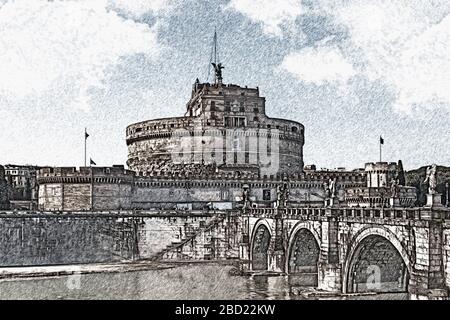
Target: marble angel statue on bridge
431,179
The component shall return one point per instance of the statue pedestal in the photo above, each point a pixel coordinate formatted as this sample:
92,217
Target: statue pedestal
394,202
434,200
334,202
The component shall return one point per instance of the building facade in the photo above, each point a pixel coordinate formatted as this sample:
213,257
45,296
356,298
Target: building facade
22,185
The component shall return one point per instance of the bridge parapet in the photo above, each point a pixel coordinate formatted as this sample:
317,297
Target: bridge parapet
354,213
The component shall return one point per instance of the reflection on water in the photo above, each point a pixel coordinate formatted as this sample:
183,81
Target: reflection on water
196,281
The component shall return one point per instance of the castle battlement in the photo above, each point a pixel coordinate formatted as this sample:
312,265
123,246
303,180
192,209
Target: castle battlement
114,171
380,166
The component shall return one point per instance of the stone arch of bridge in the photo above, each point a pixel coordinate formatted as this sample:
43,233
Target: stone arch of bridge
259,245
312,243
368,239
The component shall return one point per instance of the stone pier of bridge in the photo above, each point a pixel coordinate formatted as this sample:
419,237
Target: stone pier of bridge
352,250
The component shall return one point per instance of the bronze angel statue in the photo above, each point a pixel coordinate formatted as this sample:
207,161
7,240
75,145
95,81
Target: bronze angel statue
431,179
218,70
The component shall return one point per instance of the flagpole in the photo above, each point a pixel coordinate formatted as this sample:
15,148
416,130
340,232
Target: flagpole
380,150
85,146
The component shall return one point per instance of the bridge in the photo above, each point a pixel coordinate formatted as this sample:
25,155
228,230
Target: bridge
352,250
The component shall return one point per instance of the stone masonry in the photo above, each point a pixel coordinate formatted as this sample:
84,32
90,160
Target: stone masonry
361,249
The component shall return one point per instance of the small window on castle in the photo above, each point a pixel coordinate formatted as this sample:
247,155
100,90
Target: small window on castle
224,194
266,195
172,125
255,119
241,107
255,110
213,105
268,126
138,129
294,129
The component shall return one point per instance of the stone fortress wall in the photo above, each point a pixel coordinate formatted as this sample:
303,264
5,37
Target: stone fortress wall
217,115
380,174
115,188
67,188
385,186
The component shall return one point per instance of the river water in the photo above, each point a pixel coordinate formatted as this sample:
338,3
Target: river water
183,281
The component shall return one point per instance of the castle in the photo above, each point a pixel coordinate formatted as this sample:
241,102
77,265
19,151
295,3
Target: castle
224,153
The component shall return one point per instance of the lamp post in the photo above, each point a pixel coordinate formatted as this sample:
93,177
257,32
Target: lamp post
447,202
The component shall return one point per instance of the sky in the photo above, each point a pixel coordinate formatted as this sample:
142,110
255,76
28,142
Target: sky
348,70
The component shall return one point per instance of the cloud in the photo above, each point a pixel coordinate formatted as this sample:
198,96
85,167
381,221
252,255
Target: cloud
320,65
271,14
403,45
138,8
59,50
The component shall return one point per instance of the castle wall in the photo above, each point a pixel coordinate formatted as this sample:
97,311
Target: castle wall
153,152
112,196
225,119
51,196
380,174
70,190
76,197
84,189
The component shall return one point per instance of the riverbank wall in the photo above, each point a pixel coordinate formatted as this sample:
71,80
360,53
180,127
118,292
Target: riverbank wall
48,238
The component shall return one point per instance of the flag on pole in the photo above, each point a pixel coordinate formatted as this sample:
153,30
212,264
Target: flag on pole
86,135
381,143
91,162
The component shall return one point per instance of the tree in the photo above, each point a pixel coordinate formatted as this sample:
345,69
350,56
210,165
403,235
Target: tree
401,174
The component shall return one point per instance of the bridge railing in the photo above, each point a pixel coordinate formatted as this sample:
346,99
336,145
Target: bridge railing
354,213
382,213
294,212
